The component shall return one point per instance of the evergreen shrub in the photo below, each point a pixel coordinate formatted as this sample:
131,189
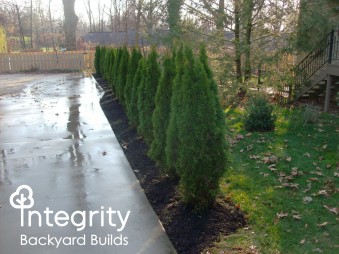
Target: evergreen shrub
259,115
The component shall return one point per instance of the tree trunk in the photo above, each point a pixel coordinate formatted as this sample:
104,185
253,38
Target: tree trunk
248,34
70,24
137,28
51,24
22,37
173,9
221,15
237,40
248,51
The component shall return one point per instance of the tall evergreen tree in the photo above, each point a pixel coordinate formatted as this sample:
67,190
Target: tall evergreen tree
122,75
116,69
213,86
146,99
102,60
139,78
132,67
161,114
111,66
173,142
106,63
97,60
202,151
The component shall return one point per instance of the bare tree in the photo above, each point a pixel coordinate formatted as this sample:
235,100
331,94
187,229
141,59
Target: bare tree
70,25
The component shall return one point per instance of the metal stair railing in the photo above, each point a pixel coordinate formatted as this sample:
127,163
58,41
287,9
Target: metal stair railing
326,51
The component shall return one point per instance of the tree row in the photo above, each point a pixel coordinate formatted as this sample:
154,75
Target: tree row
173,101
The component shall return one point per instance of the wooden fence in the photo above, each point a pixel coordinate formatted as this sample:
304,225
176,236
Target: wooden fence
47,61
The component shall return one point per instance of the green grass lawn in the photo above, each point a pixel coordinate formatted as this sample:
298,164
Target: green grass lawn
286,182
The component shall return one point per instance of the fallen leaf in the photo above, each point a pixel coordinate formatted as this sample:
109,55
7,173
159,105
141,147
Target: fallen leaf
294,185
319,173
307,200
239,137
282,215
317,250
294,171
288,178
270,160
297,216
326,234
328,166
302,241
309,185
253,247
314,179
288,159
322,224
307,155
324,193
249,147
332,209
336,174
248,134
255,157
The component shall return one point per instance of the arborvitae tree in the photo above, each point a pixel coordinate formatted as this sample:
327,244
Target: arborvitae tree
202,151
97,60
132,67
111,67
214,87
116,69
146,98
102,59
137,83
173,142
106,63
161,114
122,75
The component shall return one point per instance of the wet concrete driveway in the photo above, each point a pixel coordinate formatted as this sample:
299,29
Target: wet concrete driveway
58,150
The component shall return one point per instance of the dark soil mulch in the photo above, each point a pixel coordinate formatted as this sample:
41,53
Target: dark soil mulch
188,231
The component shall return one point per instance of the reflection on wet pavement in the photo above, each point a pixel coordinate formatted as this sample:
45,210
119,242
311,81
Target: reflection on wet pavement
55,138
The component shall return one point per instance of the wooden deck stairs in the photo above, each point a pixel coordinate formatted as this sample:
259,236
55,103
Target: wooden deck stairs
317,75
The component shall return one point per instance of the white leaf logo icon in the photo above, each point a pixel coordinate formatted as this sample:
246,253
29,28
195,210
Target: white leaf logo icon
22,198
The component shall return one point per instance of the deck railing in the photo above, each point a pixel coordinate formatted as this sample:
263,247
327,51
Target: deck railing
326,51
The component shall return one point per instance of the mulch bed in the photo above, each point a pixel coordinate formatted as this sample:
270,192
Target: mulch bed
188,231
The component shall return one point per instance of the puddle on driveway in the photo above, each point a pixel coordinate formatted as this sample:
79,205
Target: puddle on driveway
47,109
